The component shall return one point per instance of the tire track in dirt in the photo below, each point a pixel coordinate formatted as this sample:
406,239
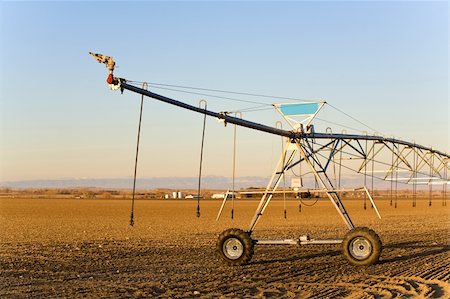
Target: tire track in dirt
430,263
423,281
378,287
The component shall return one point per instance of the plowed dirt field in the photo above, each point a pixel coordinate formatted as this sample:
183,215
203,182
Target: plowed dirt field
85,248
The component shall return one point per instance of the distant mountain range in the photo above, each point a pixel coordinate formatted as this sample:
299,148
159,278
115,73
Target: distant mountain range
208,182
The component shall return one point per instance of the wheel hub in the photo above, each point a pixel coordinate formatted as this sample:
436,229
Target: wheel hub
233,248
360,248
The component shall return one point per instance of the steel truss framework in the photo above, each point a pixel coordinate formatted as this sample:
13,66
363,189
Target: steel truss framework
385,159
326,157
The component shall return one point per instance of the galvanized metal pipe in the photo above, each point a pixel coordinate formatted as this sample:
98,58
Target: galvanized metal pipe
226,118
272,130
294,136
298,242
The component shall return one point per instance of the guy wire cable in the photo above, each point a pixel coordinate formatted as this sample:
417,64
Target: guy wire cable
164,86
229,91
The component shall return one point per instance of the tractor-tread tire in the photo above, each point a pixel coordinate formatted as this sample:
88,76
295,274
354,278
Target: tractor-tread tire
246,241
370,236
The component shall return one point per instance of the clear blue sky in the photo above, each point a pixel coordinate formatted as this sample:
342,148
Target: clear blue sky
385,63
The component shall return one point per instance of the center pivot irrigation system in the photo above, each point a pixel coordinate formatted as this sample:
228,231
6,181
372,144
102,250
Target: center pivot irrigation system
325,155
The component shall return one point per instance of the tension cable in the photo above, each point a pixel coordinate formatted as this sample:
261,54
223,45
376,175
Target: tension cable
229,92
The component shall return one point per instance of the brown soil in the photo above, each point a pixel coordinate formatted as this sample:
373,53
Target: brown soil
85,248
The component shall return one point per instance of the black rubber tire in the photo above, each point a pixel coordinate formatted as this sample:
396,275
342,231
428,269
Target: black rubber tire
362,247
240,246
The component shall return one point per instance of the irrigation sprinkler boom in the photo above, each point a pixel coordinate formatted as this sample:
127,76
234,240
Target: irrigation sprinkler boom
222,116
324,154
122,83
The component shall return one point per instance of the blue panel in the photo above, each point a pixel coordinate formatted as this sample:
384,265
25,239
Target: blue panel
299,109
